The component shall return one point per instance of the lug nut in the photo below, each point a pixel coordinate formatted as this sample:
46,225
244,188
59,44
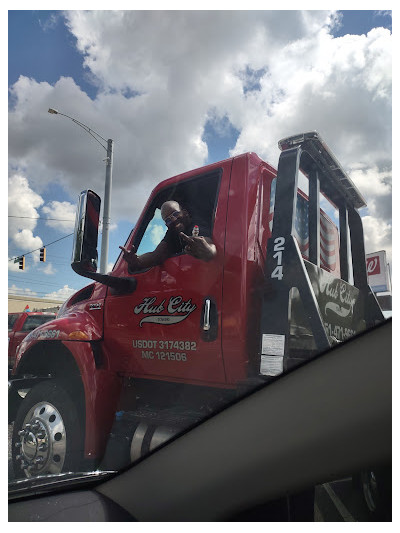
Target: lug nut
22,433
27,426
42,447
18,444
35,426
38,460
41,434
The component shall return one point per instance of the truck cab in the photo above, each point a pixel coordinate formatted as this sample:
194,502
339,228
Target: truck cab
168,344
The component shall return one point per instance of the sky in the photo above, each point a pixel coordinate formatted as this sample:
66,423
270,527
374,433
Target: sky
176,90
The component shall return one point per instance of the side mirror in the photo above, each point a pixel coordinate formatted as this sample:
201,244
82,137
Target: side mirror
84,250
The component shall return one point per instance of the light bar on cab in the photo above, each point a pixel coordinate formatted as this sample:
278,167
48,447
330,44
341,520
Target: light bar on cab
312,143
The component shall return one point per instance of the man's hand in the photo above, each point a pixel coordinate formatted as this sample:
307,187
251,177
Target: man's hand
199,247
131,258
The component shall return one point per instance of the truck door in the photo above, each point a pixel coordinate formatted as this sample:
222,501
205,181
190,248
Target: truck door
169,327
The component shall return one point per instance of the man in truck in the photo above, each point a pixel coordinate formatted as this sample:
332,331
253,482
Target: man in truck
178,221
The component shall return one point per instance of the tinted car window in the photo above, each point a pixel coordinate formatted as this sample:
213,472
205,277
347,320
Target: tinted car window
34,321
11,321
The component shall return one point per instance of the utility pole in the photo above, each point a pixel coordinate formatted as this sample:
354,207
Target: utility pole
107,188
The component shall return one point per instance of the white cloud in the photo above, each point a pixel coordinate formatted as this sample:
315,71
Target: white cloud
23,203
49,270
378,236
157,233
303,90
13,267
62,294
63,214
376,185
158,132
21,292
269,73
25,240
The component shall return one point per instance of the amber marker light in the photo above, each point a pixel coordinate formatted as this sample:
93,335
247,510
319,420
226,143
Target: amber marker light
78,336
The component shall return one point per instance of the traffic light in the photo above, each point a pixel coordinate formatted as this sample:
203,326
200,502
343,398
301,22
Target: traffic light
21,262
43,254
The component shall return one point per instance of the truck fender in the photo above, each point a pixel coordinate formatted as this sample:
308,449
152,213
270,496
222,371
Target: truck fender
76,326
102,390
80,365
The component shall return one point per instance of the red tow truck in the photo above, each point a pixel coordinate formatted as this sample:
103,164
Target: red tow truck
19,325
157,350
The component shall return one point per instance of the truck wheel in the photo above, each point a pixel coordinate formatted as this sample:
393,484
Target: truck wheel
47,436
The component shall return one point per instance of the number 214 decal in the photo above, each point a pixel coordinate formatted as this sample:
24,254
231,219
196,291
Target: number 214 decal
279,247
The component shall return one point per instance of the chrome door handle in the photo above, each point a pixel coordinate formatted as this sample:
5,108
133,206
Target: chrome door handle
206,318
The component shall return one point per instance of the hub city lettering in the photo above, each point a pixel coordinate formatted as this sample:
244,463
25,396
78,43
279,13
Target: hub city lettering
341,297
175,311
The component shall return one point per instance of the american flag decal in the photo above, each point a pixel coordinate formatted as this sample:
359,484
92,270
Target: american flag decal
329,236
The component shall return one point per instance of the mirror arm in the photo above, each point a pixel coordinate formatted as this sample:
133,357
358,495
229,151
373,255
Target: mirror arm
123,285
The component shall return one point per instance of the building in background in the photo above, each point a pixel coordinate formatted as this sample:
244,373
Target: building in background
17,304
379,280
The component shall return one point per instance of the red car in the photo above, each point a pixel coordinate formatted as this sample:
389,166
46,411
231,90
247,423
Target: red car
19,325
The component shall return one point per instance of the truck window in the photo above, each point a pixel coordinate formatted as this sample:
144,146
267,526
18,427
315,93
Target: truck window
33,321
153,234
197,195
11,321
329,235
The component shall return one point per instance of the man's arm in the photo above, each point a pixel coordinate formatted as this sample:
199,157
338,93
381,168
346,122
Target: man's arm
147,260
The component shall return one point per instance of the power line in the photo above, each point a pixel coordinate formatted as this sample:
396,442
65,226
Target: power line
44,246
43,218
58,219
38,294
31,281
21,292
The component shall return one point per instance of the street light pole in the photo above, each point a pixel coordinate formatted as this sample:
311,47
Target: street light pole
107,188
106,207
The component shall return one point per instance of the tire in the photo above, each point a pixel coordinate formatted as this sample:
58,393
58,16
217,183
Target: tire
48,435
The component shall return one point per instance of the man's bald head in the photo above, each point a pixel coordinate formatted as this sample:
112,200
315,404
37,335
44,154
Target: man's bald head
169,207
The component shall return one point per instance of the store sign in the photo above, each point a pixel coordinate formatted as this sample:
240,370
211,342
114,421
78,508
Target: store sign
378,272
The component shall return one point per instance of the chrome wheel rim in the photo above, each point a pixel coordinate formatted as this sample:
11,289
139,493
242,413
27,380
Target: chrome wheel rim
41,448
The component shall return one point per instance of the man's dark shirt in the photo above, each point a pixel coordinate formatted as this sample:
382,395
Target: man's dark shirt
176,245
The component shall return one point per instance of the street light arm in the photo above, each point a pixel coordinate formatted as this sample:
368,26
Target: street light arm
91,132
86,128
107,189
